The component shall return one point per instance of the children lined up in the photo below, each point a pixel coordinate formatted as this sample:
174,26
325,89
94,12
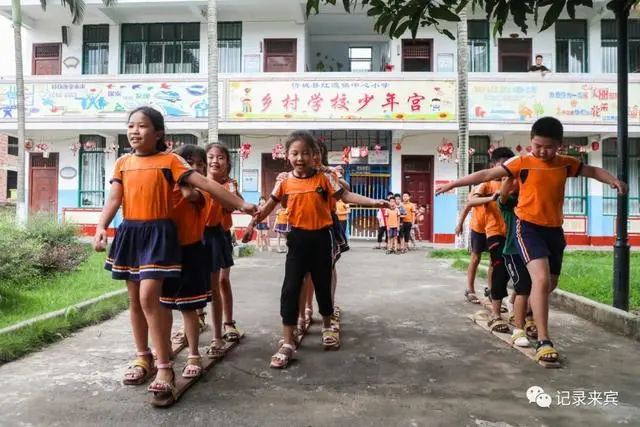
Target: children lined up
541,177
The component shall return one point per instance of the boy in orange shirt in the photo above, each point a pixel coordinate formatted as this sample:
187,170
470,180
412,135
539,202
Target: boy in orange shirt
393,221
408,220
541,175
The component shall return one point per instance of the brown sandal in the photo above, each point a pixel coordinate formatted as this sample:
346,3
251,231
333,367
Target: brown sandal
283,357
142,369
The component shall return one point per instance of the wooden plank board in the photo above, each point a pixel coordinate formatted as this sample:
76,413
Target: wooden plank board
530,352
183,384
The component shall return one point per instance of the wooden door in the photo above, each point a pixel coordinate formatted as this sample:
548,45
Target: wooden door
280,55
417,179
417,55
514,55
46,59
270,169
43,183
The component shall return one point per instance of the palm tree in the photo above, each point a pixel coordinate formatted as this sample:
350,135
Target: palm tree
463,117
77,9
212,69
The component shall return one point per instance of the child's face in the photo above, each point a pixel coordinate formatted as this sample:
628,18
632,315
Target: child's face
199,165
421,210
300,156
406,198
141,134
397,200
217,162
544,148
392,203
316,159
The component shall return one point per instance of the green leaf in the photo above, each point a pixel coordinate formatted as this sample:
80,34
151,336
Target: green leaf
552,14
347,5
448,33
313,5
571,8
402,28
444,14
375,11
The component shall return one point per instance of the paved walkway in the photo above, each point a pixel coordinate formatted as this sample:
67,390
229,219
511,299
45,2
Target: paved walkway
410,358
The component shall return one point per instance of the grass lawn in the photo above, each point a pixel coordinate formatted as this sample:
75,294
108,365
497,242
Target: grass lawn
585,273
90,280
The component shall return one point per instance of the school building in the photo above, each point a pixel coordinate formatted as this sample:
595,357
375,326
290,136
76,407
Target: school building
387,109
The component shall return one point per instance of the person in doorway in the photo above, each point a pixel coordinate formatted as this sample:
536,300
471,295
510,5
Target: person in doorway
539,66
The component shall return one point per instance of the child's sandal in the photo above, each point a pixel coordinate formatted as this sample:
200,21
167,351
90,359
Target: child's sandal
164,387
193,367
216,349
283,357
142,369
545,352
231,333
531,329
330,339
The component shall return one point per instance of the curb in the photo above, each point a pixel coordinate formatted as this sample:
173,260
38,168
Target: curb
610,318
61,312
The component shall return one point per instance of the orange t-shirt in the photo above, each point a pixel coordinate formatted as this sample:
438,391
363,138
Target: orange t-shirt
217,215
282,216
477,216
342,210
308,199
494,224
189,217
541,194
393,218
147,184
410,210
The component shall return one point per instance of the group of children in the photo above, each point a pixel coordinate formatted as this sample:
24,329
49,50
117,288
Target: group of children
517,218
399,225
174,245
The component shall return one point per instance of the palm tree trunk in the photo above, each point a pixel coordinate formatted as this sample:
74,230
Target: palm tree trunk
16,14
212,69
463,119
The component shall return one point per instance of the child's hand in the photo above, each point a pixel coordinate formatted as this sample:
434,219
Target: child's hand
444,188
249,208
382,204
100,240
458,229
622,187
248,233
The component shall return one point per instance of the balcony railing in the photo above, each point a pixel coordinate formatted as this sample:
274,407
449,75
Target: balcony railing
392,98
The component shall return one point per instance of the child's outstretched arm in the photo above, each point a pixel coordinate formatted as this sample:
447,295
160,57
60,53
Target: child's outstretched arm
265,210
605,177
473,179
227,199
357,199
478,201
111,206
505,190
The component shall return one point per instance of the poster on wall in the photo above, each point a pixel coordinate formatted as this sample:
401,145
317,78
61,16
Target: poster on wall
379,157
300,99
252,63
110,100
250,180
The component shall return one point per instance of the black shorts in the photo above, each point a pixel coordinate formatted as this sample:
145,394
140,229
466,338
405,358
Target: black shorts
478,242
519,274
192,290
536,241
406,231
499,277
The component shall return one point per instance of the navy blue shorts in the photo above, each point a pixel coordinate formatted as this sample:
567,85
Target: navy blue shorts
145,250
478,242
262,226
219,247
192,290
536,241
393,232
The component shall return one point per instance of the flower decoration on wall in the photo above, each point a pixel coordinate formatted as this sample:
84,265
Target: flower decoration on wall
28,145
445,150
472,151
377,148
90,145
42,148
111,149
245,151
518,148
364,151
346,154
75,147
278,151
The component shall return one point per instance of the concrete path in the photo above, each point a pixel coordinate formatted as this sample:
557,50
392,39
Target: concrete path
410,358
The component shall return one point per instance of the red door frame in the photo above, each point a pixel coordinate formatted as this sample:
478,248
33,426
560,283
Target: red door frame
430,183
34,59
52,157
293,54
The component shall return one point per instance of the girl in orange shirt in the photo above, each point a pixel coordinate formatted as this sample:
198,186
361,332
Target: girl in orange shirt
220,247
310,240
263,230
282,227
146,250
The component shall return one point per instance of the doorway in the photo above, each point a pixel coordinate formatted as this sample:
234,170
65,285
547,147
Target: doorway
270,169
514,55
417,179
46,59
43,180
280,55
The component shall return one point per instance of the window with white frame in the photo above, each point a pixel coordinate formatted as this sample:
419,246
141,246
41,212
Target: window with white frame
609,43
571,46
480,158
92,172
478,31
230,47
233,142
360,59
575,189
12,146
610,163
95,49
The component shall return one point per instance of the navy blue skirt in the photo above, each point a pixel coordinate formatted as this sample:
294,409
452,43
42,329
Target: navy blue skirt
145,250
340,239
219,247
192,290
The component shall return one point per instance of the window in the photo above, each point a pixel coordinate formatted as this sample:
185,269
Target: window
575,190
360,59
95,49
480,158
92,173
12,146
12,184
230,47
417,55
478,31
233,142
571,46
609,41
160,48
610,163
178,139
336,140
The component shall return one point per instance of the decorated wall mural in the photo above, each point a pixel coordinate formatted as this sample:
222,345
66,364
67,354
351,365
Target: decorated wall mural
109,100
